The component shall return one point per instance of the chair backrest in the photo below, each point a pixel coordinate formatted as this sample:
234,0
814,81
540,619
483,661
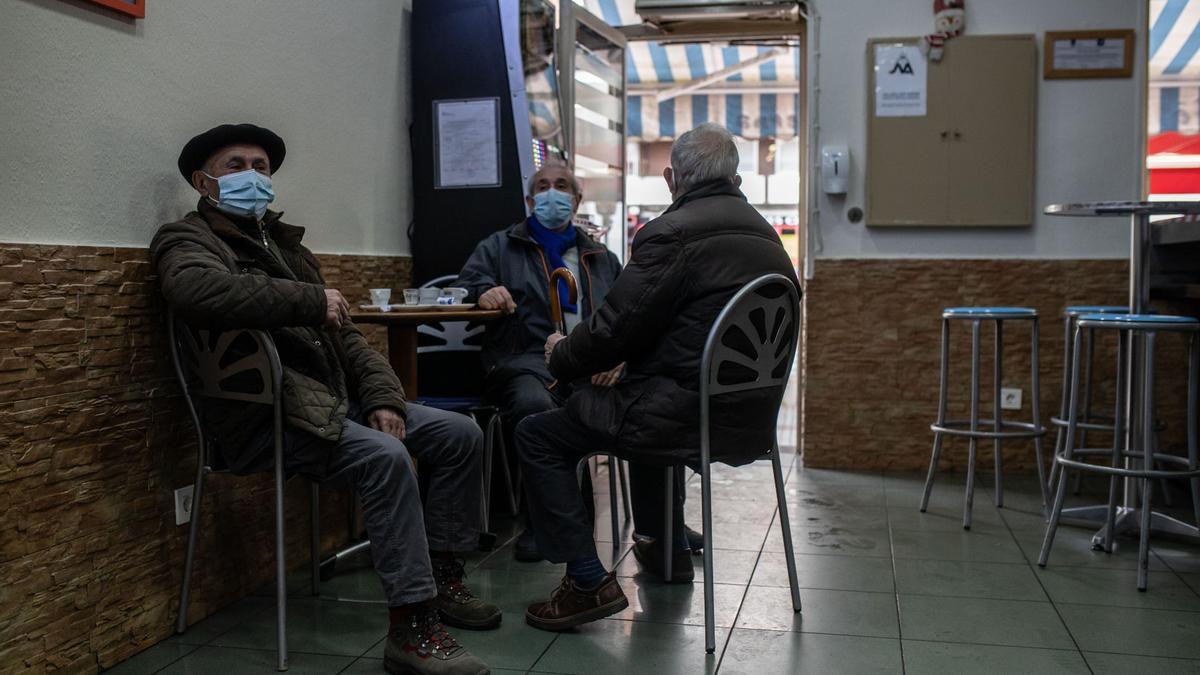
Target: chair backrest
752,344
448,355
235,365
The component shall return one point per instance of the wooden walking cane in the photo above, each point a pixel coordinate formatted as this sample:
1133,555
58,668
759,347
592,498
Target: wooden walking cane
556,313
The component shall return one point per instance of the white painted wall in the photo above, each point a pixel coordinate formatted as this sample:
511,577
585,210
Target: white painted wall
94,110
1087,147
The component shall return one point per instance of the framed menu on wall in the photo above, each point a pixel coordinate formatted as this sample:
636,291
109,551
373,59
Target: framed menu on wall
1088,54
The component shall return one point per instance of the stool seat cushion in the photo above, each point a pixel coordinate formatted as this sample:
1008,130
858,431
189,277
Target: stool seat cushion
1140,319
990,312
1097,309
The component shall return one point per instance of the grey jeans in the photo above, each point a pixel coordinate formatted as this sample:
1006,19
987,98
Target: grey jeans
379,468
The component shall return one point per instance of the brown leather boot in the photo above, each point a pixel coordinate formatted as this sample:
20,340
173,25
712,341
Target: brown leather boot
570,606
421,646
649,554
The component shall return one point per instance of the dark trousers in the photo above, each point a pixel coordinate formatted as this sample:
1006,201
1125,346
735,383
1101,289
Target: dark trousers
550,446
380,469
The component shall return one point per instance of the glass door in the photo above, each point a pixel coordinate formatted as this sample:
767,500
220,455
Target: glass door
597,128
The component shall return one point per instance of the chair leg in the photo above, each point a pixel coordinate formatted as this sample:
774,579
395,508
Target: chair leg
786,524
1193,399
997,411
1068,452
1062,405
280,572
968,502
1036,411
669,526
1147,453
193,534
941,416
496,425
710,640
614,465
623,474
315,537
1114,484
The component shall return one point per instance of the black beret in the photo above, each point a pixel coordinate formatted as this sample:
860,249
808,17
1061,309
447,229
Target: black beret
200,148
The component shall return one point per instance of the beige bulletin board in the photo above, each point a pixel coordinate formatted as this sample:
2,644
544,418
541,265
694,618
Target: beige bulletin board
967,156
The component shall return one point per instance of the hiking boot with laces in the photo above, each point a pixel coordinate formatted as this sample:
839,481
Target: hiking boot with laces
458,605
421,646
571,606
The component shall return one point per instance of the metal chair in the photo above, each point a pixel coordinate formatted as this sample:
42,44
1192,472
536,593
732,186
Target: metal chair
1134,424
198,356
456,339
767,312
1001,429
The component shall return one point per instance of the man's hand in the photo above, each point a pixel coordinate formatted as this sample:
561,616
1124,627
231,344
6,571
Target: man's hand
609,379
498,298
388,421
337,310
552,342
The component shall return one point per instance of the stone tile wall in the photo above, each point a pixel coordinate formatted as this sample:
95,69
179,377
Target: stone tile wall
94,438
873,350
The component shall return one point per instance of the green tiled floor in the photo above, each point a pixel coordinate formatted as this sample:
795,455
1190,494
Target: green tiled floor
886,589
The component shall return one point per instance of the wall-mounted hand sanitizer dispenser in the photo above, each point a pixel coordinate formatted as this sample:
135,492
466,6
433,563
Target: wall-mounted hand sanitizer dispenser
835,169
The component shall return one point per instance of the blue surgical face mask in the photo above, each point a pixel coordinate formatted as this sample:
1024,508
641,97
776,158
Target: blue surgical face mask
553,208
245,193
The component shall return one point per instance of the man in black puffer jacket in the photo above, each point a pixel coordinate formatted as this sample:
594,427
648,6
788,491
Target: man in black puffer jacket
685,265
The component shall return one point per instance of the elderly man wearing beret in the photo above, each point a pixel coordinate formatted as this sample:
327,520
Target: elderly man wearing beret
232,263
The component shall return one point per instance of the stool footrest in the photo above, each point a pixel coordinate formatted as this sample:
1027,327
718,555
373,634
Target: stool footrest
962,428
1132,473
1090,426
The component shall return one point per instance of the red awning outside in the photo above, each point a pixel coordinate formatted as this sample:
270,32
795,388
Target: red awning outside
1174,163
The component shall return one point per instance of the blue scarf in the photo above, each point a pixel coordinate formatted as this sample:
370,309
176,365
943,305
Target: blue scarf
555,244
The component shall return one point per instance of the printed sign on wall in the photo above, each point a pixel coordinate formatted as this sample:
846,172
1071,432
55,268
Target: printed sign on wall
900,81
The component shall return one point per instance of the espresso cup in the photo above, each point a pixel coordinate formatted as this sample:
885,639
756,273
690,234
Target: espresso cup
380,296
429,296
456,295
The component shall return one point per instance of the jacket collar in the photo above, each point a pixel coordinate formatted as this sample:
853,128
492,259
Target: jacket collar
520,232
224,225
714,188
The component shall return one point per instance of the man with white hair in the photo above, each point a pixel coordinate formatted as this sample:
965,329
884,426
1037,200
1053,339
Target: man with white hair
684,266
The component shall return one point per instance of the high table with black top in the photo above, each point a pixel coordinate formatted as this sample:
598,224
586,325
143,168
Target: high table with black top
1140,242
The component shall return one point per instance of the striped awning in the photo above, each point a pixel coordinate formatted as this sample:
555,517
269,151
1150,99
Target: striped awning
761,101
614,12
1174,97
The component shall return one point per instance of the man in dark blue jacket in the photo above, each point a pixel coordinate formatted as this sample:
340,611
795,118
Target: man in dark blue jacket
510,271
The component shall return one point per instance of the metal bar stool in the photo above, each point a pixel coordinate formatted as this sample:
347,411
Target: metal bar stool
1136,417
1089,422
972,428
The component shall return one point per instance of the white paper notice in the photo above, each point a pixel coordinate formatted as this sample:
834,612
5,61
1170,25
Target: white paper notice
900,81
468,140
1101,54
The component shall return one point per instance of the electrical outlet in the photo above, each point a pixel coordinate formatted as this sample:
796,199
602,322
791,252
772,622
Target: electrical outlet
183,505
1010,399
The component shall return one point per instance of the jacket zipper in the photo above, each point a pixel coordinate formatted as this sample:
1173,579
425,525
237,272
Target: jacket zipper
262,230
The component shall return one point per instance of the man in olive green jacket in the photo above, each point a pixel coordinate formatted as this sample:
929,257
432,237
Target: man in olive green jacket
234,264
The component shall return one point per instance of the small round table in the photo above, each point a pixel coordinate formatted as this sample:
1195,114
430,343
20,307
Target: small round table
402,335
1139,213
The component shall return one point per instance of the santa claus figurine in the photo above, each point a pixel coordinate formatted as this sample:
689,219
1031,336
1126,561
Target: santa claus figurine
949,20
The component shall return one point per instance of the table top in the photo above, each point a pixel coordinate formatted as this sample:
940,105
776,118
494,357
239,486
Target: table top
1122,208
415,317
